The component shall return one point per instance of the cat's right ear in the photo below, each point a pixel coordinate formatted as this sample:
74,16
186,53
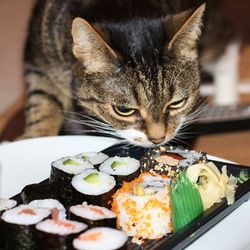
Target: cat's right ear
90,49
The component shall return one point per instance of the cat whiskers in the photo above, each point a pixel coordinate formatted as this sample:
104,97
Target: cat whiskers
94,124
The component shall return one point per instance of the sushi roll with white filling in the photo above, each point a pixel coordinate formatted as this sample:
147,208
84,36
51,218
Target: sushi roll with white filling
170,159
62,172
5,204
94,216
94,158
57,234
18,226
122,168
93,186
101,238
50,204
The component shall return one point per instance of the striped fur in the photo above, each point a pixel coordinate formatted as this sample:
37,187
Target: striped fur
141,54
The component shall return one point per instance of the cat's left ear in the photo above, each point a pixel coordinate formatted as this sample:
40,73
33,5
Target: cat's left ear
184,30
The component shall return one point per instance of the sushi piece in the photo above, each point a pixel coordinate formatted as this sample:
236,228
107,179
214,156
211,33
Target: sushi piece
94,158
5,204
93,186
94,216
50,204
170,160
122,168
101,238
18,226
38,191
57,234
143,207
62,172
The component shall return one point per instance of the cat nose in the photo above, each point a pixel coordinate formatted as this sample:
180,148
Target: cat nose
157,140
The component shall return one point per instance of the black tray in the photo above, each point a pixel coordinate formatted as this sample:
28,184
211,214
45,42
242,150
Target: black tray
197,227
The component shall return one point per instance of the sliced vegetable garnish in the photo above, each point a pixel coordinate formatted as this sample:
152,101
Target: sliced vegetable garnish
92,178
116,164
186,201
71,162
138,190
243,176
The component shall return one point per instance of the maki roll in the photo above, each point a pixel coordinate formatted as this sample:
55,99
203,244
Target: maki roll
170,159
94,158
18,226
5,204
143,207
93,215
122,168
62,172
50,204
57,234
93,186
37,191
101,238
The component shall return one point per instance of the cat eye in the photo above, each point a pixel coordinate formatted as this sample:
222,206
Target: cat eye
178,104
124,111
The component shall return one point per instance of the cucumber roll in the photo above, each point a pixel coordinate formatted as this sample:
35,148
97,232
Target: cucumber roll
94,187
101,238
62,172
18,226
94,216
5,204
57,234
50,204
122,168
95,158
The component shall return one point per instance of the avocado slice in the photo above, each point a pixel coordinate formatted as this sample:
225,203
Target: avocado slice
70,161
85,157
116,164
92,178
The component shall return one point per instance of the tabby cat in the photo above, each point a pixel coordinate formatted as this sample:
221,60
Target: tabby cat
128,68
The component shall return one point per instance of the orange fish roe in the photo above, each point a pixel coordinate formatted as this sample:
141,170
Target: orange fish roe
93,236
28,211
143,216
62,223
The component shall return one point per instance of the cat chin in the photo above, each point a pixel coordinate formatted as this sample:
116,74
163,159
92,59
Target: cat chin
138,138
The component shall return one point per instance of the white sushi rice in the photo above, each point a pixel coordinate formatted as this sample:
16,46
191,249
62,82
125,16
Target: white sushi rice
49,204
106,183
92,212
125,166
21,215
6,204
71,168
93,157
61,227
106,239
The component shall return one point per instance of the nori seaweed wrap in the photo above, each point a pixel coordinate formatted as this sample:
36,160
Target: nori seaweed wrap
57,234
93,187
93,216
62,172
122,168
18,227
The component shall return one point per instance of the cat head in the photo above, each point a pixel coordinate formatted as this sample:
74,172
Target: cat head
140,77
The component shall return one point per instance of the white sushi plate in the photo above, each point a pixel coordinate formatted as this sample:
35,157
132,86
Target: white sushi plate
28,161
